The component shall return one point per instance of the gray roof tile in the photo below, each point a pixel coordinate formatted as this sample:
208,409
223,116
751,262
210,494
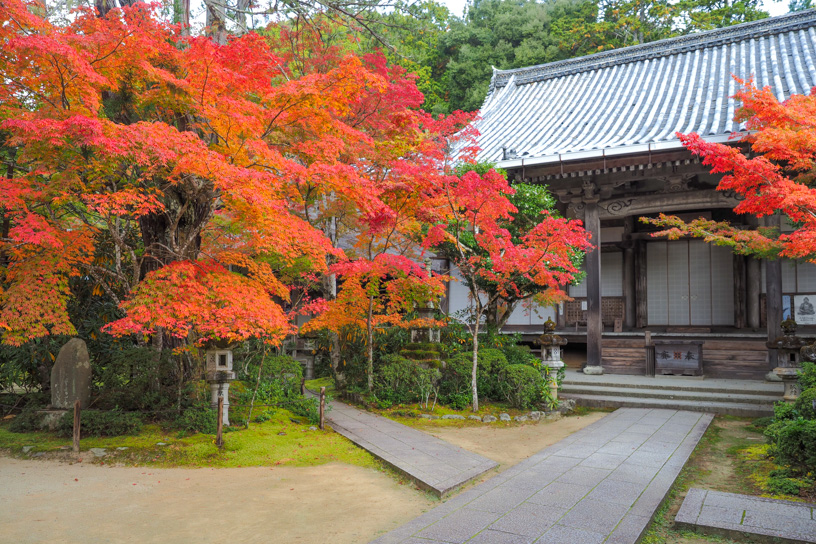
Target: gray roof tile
644,94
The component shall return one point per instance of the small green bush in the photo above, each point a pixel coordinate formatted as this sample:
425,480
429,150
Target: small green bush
804,404
784,411
457,401
27,421
796,444
521,386
306,407
201,418
783,486
101,423
395,381
807,376
519,354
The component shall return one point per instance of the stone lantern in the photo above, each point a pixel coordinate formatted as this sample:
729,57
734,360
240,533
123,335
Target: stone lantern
551,355
426,334
219,376
791,350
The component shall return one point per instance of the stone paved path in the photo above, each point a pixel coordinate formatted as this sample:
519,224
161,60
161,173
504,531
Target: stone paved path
601,484
734,516
435,465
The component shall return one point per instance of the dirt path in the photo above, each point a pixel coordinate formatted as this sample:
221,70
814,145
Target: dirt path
52,502
515,443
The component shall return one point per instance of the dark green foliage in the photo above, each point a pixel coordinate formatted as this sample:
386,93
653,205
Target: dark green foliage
458,401
519,354
807,376
805,403
395,381
27,421
784,411
101,423
795,444
200,418
306,407
521,386
420,354
783,486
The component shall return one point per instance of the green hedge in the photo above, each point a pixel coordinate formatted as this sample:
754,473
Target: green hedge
101,423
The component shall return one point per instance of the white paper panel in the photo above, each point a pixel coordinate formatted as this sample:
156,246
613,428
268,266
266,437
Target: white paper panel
612,274
678,283
788,276
722,286
700,273
806,277
657,300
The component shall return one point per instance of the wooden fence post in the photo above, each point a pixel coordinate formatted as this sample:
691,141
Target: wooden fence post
77,414
322,405
303,386
219,437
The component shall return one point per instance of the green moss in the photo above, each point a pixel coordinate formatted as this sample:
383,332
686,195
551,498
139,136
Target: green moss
260,445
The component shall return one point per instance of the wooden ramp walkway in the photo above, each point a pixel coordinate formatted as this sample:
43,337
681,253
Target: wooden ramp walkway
433,464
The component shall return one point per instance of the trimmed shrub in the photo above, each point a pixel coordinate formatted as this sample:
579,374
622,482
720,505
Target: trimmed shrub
521,386
804,404
807,376
101,423
395,381
519,354
796,444
27,421
200,418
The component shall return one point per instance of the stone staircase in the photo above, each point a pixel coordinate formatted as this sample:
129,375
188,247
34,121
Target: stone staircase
747,398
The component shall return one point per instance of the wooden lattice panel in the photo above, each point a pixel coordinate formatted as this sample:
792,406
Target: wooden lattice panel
611,308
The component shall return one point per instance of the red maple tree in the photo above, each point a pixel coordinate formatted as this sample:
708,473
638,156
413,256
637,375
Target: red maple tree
181,175
776,177
474,208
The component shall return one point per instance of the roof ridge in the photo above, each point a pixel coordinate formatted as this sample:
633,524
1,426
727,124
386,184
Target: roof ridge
661,48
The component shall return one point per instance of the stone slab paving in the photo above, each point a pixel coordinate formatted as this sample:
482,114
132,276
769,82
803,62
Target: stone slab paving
433,464
736,516
600,484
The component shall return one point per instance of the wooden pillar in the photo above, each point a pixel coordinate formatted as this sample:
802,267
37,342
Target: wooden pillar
739,291
641,317
629,287
592,222
773,298
753,288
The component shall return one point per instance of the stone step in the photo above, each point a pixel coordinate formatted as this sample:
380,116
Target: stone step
671,394
722,408
675,383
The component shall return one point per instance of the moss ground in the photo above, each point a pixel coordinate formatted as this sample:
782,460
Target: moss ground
280,441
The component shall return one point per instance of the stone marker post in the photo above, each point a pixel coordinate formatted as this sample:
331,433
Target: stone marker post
71,376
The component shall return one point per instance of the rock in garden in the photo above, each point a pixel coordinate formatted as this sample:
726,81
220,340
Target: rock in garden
98,452
534,416
453,416
475,418
161,443
505,417
428,416
521,418
121,448
27,449
565,406
489,419
312,428
71,376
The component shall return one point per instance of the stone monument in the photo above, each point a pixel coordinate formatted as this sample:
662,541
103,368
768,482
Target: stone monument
71,376
791,350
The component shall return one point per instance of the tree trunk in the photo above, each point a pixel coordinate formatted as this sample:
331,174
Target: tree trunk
370,333
473,385
329,289
217,20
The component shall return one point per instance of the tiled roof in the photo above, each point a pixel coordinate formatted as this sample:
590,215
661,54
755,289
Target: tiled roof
642,95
